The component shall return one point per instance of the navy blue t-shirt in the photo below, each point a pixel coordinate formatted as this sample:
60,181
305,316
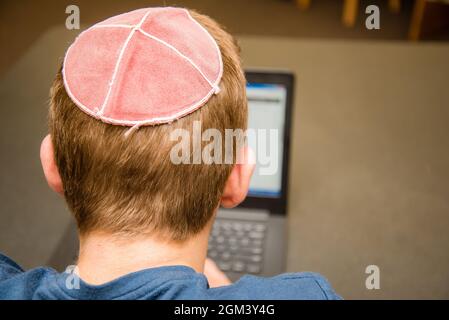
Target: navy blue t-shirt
174,282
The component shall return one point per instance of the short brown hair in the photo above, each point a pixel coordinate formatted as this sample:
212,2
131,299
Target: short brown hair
129,185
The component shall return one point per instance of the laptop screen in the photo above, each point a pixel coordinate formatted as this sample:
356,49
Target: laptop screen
266,107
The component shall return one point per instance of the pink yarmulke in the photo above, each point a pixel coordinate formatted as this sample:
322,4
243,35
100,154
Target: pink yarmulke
144,67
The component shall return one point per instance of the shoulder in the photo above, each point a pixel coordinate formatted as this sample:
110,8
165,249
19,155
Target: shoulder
287,286
17,284
8,268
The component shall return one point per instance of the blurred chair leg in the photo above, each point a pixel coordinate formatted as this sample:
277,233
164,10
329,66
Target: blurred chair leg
394,5
350,9
303,4
417,18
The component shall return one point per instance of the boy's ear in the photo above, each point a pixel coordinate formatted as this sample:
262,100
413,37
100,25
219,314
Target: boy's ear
236,187
49,165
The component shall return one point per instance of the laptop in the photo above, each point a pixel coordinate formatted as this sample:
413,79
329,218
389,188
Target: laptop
251,239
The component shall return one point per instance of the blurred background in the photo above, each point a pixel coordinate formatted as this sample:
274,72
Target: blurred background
369,182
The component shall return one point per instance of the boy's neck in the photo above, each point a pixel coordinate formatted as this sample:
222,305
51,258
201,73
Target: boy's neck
103,258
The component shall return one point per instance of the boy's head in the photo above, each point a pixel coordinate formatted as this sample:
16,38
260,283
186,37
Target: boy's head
128,185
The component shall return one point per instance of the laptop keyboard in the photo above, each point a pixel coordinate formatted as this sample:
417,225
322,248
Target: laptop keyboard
237,246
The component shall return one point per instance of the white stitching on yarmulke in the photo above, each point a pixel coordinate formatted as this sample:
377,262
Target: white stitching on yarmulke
220,60
119,60
135,124
178,52
132,129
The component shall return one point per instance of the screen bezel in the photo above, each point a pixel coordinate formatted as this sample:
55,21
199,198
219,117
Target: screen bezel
276,205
